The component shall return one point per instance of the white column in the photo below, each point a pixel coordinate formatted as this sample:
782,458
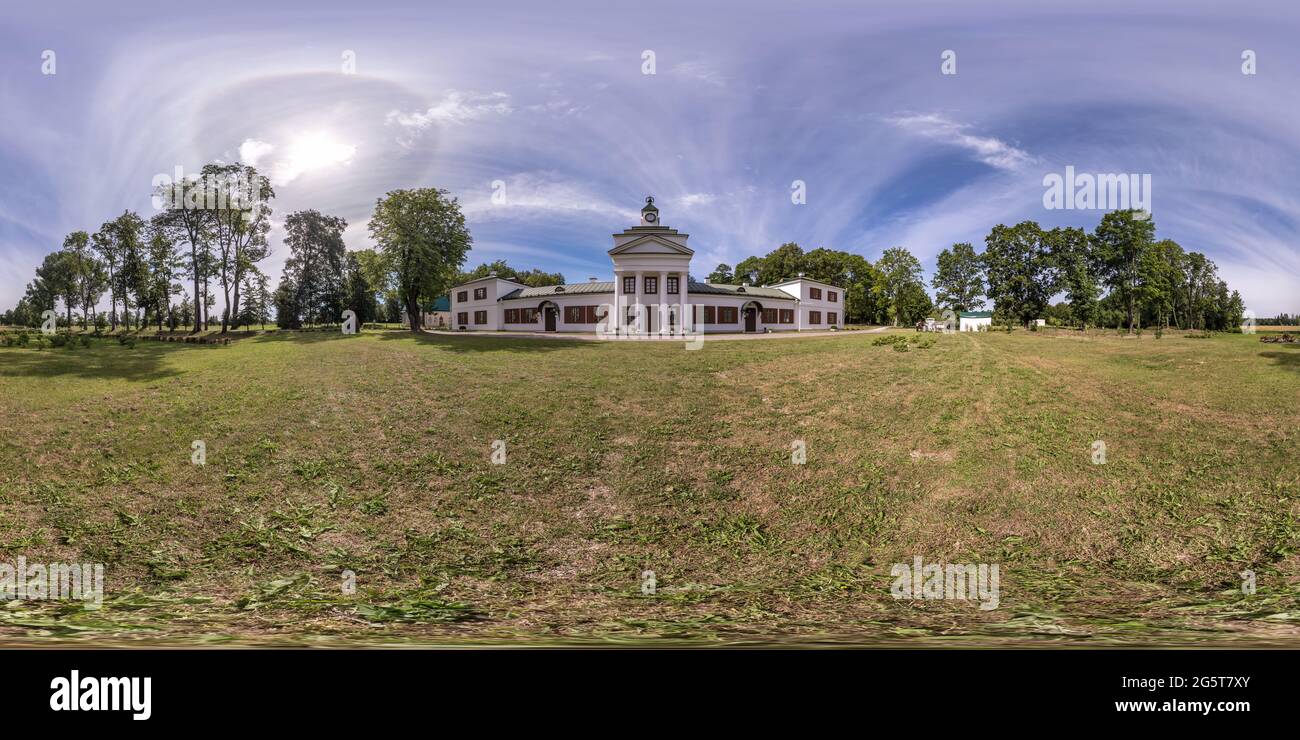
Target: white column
682,300
663,301
640,289
613,322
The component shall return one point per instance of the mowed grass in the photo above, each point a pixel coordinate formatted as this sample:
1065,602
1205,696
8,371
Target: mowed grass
373,454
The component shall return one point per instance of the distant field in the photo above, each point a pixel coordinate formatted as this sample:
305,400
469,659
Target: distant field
373,454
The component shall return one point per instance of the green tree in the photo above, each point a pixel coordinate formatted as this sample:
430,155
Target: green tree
1020,271
959,280
315,266
424,235
898,271
193,224
240,221
1071,251
1121,240
360,293
534,278
721,275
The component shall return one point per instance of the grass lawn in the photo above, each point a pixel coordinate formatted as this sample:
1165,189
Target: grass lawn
373,453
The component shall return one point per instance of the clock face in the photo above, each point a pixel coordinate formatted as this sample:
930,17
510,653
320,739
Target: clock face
651,217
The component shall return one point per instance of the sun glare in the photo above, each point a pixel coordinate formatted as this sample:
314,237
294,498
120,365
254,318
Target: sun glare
314,151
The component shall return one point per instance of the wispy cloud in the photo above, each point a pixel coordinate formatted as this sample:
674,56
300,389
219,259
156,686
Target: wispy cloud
455,108
987,149
701,71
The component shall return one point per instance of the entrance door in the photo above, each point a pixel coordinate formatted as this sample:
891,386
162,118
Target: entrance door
550,318
751,319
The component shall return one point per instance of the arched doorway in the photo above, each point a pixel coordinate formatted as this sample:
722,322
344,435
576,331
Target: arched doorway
550,315
750,311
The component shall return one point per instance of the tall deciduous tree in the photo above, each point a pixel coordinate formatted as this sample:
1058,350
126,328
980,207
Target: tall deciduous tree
1076,267
240,222
1020,270
899,276
1121,240
315,266
424,235
187,213
959,280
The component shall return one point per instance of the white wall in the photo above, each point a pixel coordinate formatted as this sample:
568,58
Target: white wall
802,289
968,324
606,299
495,288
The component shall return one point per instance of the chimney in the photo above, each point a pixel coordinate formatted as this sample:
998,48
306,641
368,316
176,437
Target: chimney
801,274
492,274
591,279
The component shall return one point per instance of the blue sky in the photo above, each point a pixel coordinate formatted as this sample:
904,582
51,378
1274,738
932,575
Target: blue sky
551,100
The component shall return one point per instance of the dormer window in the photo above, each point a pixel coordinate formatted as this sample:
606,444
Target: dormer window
559,289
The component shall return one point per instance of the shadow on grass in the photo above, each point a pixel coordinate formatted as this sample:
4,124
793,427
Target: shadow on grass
300,337
1289,358
470,343
102,361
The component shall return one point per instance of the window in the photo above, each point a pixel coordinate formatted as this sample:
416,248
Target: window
580,314
629,285
652,285
728,314
462,318
480,317
815,294
462,296
480,294
787,316
769,316
832,318
521,315
832,296
512,315
814,317
673,283
710,315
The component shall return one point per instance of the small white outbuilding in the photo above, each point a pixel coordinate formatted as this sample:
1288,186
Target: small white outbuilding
974,320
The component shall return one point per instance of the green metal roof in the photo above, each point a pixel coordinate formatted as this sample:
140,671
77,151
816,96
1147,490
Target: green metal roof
441,303
975,315
591,286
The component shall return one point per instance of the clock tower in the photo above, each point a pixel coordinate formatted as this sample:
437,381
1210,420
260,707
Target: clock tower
649,213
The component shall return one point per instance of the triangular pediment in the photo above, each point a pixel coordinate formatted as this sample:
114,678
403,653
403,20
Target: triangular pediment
651,244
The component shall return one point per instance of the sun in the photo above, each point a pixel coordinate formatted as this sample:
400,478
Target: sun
316,150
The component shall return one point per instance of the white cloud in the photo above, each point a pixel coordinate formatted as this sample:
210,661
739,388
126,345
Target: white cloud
252,151
695,199
535,194
987,149
456,108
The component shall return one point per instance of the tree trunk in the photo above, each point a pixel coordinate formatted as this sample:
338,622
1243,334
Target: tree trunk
413,313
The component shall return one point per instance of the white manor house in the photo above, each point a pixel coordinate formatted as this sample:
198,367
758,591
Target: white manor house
652,292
